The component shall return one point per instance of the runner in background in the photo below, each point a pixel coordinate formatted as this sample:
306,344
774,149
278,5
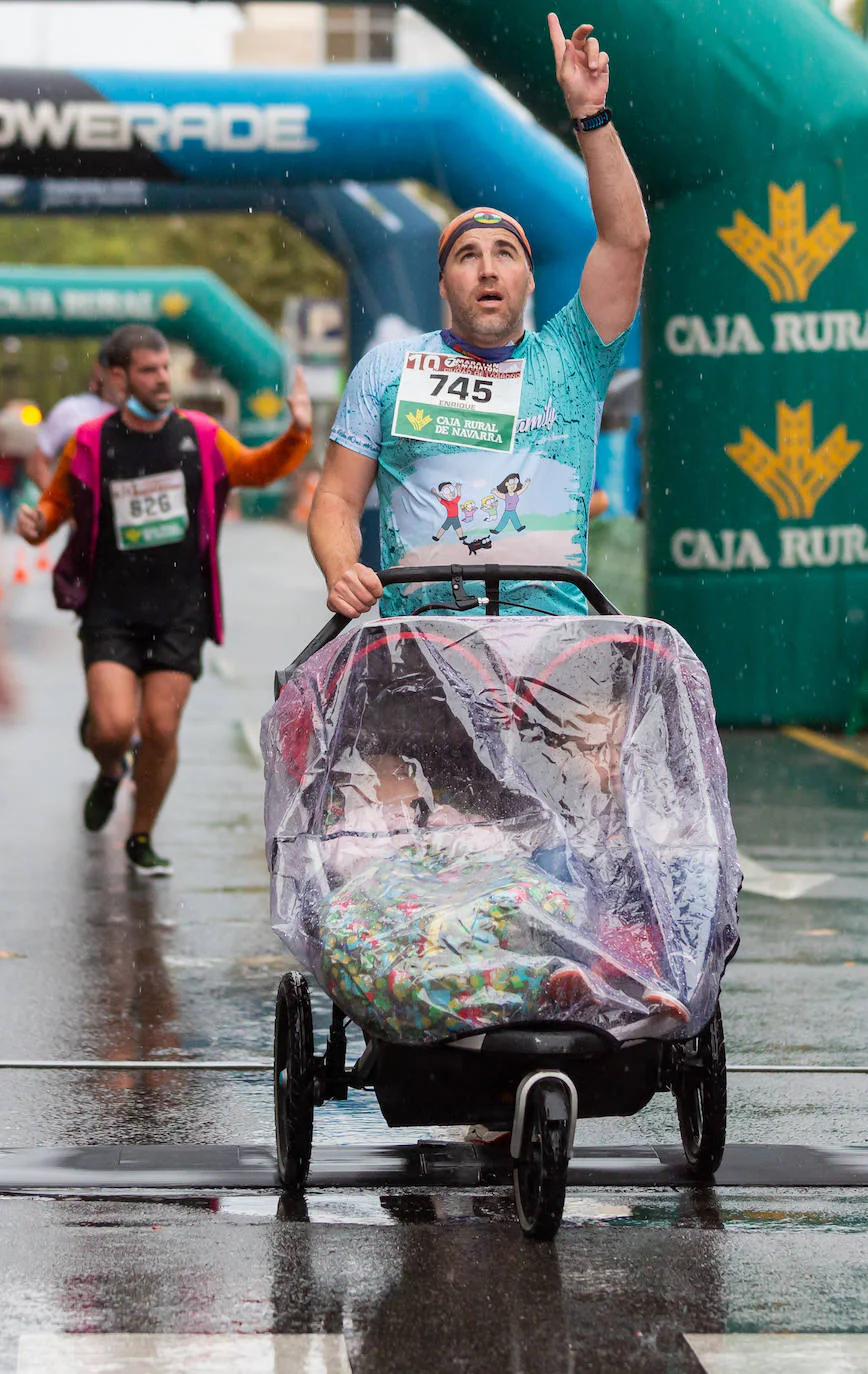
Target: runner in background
18,420
146,487
500,421
103,395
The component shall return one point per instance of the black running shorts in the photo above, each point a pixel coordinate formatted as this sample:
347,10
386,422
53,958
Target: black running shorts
175,649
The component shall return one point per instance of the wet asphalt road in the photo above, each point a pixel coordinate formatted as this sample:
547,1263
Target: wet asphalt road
97,965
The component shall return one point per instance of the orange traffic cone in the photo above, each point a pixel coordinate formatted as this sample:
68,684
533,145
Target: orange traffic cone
21,574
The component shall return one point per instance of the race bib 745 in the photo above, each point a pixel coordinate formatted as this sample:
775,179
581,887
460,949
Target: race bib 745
444,398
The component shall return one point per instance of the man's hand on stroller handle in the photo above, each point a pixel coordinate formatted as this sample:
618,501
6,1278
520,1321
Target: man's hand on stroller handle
355,591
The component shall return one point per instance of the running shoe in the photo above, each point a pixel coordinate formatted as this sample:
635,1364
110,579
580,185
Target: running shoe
101,801
568,986
143,859
663,1004
481,1135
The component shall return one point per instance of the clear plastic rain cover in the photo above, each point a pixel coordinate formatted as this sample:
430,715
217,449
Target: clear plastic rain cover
479,822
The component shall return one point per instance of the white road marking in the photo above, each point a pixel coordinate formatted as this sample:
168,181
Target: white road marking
218,663
772,882
250,739
781,1353
594,1209
117,1353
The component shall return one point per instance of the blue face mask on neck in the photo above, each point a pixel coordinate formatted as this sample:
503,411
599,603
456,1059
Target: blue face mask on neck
143,412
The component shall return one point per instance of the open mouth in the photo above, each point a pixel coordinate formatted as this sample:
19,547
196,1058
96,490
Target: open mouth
493,297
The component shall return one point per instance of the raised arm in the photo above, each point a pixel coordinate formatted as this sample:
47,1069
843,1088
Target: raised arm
612,277
256,467
334,533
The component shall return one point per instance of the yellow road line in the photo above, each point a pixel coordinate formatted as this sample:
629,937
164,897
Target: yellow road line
814,740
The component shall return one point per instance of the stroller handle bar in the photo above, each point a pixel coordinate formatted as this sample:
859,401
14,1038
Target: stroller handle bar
492,574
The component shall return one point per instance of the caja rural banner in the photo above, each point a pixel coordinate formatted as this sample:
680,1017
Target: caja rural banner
747,125
758,440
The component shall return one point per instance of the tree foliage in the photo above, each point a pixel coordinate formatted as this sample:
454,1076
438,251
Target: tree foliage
262,257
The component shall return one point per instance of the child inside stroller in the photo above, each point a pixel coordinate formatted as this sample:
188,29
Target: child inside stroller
495,828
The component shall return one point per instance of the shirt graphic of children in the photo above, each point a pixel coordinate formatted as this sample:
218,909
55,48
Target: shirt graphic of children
448,494
510,489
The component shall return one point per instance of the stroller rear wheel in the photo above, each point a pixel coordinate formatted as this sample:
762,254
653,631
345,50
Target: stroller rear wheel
293,1080
540,1173
699,1085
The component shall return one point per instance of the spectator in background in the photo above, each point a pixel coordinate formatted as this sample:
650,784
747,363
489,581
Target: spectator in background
16,443
103,395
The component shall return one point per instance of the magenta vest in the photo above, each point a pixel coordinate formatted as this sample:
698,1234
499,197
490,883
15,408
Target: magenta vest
72,575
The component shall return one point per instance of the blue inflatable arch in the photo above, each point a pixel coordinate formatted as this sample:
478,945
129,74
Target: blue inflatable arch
305,144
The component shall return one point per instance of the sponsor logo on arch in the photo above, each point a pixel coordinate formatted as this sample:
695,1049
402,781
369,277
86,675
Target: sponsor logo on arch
791,465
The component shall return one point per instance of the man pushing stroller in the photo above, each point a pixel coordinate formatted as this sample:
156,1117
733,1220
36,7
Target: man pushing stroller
489,361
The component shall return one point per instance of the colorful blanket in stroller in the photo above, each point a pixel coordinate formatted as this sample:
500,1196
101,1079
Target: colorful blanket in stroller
478,823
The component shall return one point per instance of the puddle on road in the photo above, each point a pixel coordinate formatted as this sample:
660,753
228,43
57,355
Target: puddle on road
411,1207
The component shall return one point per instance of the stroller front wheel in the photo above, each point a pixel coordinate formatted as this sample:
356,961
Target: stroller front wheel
699,1086
293,1080
540,1173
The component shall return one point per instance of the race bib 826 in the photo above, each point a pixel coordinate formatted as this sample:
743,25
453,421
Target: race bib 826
150,511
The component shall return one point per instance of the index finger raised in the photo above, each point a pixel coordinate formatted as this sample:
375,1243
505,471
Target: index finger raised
556,34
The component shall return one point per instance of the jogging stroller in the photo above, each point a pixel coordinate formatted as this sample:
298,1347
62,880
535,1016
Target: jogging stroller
502,846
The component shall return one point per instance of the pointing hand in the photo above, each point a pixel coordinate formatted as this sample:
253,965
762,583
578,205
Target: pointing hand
582,70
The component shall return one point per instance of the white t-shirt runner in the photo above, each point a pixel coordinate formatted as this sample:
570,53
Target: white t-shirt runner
487,462
63,420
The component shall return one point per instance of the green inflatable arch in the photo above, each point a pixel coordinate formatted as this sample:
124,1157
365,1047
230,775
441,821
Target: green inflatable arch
187,304
748,127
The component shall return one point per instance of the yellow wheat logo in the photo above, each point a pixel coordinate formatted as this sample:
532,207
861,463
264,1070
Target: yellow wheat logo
795,475
174,304
266,405
418,420
791,257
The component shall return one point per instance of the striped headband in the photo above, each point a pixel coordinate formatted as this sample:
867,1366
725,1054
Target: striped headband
481,217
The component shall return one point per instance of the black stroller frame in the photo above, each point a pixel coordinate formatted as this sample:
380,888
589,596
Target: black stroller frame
533,1081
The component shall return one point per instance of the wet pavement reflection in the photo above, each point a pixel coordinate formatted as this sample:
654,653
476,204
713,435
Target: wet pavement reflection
442,1279
99,965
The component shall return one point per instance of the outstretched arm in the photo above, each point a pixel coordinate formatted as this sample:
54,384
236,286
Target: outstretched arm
256,467
612,277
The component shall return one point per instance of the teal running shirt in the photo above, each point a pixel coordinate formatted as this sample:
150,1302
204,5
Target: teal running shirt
483,462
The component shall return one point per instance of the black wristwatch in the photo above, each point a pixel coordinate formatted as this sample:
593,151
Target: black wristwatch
594,121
